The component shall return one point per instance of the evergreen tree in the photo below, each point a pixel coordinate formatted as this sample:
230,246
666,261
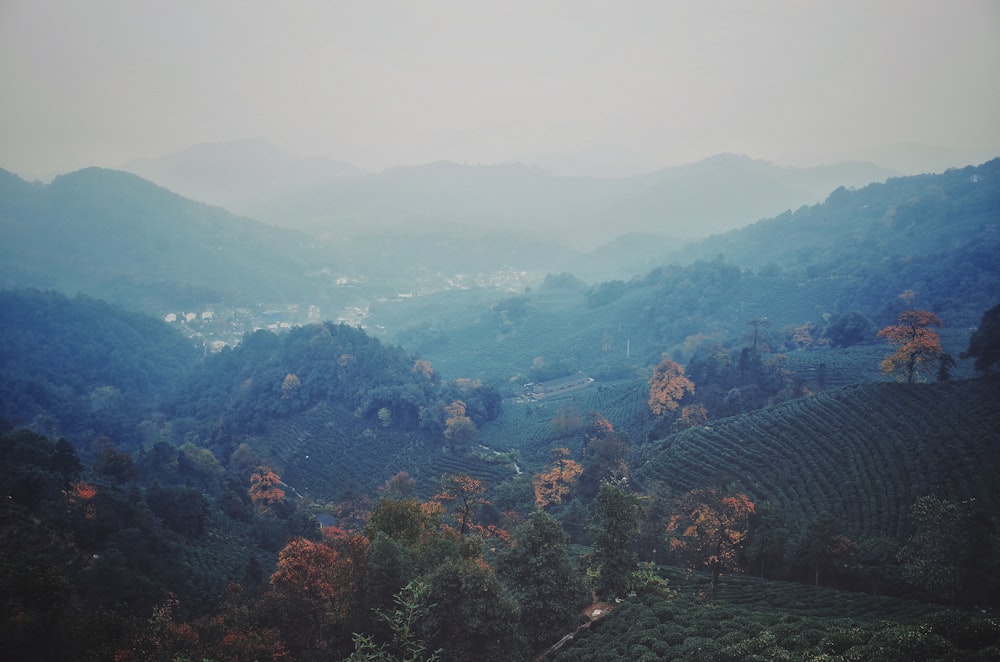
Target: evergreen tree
542,576
615,522
984,345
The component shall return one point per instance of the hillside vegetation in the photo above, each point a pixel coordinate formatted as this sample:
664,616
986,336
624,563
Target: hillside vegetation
112,235
861,453
473,469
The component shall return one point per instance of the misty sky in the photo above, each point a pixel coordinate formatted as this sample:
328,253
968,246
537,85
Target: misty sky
603,88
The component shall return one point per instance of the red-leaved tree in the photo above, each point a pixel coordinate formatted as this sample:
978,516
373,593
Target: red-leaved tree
708,529
916,342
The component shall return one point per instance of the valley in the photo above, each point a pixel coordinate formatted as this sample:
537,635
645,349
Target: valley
216,426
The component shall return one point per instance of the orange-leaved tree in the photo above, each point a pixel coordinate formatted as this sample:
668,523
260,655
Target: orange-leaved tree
917,342
424,368
81,496
462,495
265,489
313,587
553,484
668,386
708,529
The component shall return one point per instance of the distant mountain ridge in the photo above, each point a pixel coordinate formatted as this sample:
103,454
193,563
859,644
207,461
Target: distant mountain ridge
116,236
230,173
684,202
335,199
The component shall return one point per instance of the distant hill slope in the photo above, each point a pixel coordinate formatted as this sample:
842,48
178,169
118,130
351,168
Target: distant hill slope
232,173
863,453
713,195
116,236
904,216
937,236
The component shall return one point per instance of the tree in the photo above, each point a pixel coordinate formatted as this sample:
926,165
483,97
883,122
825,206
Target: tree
692,416
553,484
945,363
424,368
470,616
984,345
709,529
668,386
113,463
542,576
462,495
604,452
401,485
459,428
312,588
615,523
405,520
751,357
265,489
917,342
402,621
848,329
768,537
825,547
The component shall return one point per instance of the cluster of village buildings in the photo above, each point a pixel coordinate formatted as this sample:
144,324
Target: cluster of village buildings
221,326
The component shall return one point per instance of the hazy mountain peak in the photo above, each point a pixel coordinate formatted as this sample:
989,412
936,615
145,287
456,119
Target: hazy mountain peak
234,172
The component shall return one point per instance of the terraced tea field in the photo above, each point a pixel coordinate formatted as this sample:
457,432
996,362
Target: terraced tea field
863,453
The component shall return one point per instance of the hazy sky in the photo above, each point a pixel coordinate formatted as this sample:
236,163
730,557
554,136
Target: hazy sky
611,87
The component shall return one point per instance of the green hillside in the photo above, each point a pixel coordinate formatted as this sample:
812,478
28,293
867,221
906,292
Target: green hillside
115,236
759,620
862,453
289,486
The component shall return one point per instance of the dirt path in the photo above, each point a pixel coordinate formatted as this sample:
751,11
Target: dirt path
594,612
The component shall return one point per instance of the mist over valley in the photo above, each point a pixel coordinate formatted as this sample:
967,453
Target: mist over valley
499,331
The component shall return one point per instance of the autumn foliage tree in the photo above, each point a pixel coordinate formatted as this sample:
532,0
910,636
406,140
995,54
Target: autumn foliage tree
232,634
458,428
916,343
313,588
424,368
708,529
554,483
668,386
265,489
462,496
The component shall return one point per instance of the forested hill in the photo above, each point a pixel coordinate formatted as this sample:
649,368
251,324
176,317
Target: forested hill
319,400
116,236
898,219
862,454
82,367
934,238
